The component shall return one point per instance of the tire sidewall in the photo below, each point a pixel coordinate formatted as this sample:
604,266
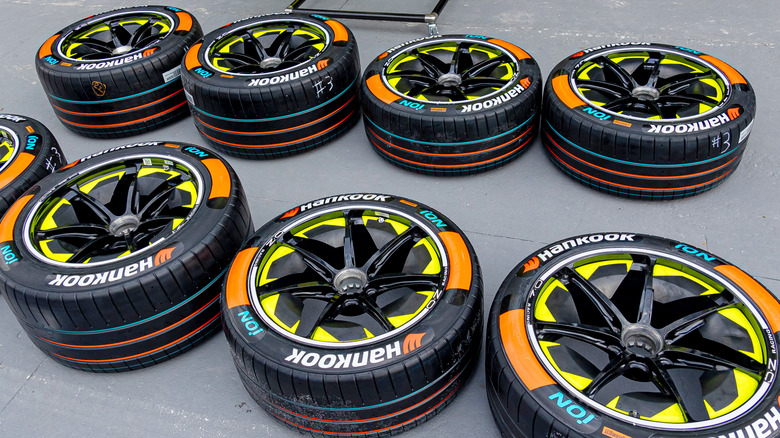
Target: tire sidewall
519,290
32,138
40,275
438,324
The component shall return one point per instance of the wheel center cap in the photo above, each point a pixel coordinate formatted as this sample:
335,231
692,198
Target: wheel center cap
121,50
449,80
271,62
350,281
642,340
124,225
646,93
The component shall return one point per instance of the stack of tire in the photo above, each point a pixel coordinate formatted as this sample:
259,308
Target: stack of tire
647,121
274,85
117,73
115,262
452,104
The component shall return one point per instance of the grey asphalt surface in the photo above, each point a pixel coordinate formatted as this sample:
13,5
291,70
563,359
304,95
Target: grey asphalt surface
506,213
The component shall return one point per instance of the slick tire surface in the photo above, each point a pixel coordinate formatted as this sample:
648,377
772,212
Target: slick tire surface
530,398
280,110
138,309
642,157
380,386
122,95
29,153
452,137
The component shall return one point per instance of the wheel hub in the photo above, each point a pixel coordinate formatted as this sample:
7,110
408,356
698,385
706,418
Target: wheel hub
350,281
121,50
645,93
642,340
271,62
124,225
450,80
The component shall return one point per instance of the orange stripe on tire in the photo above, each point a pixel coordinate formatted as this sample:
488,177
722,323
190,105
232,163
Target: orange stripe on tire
16,168
459,260
120,111
564,92
762,297
113,125
9,220
728,70
485,162
45,49
518,349
220,178
136,356
185,22
339,31
519,53
379,90
191,59
140,338
236,293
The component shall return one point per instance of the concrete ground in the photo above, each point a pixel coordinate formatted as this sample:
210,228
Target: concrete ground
506,213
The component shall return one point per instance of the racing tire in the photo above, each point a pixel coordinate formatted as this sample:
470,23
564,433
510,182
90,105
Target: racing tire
629,335
117,73
273,85
115,262
356,315
647,121
28,152
451,104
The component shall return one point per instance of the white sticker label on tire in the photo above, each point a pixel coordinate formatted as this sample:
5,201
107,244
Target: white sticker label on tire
189,98
172,74
745,132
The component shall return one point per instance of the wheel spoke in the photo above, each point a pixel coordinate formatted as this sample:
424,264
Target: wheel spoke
93,247
386,283
486,66
376,314
680,82
255,48
294,283
349,242
461,60
119,35
609,373
97,207
476,83
320,266
685,100
281,43
236,58
302,49
380,258
625,78
432,65
687,391
313,314
138,35
676,330
80,231
597,336
645,312
622,103
604,305
693,358
605,88
414,77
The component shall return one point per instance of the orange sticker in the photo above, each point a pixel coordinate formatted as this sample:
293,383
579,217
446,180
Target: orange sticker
236,293
519,352
460,261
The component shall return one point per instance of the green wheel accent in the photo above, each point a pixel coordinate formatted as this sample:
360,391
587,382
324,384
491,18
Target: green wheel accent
450,71
116,36
267,47
114,210
347,276
653,84
645,337
8,147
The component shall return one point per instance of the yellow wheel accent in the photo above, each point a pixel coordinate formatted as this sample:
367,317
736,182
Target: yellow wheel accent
746,387
672,414
576,381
